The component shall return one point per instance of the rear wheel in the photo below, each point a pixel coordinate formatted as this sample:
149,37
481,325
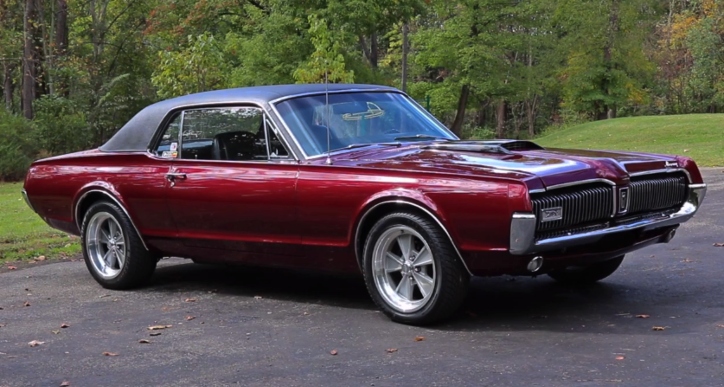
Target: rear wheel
112,250
412,271
585,275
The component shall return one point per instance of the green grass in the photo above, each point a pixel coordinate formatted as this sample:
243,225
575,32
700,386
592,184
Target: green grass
699,136
23,235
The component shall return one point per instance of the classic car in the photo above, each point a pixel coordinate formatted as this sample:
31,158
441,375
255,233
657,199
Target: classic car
354,178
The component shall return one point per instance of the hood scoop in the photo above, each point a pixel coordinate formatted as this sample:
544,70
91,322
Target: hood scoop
505,147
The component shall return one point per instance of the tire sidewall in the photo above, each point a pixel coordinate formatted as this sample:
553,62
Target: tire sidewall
123,223
375,233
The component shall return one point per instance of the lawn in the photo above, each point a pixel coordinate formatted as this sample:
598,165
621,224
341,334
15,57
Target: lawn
699,136
23,235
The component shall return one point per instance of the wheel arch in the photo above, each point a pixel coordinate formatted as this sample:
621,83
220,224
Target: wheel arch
96,194
376,210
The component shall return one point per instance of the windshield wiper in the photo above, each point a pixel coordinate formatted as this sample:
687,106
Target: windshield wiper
421,137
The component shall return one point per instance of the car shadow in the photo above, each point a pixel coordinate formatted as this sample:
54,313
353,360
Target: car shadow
492,304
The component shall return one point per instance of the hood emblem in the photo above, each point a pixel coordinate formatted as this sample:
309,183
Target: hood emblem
671,164
551,214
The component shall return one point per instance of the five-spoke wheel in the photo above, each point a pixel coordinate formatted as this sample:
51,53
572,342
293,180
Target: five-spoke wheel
113,251
412,271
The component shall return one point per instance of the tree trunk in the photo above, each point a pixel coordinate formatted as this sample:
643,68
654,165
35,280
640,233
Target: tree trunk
500,117
404,59
457,126
8,86
61,44
30,58
613,27
530,115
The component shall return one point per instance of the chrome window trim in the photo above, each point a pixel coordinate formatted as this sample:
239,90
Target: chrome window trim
423,209
274,102
266,116
117,202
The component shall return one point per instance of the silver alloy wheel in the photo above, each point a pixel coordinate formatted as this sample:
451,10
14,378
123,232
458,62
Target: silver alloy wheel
105,245
403,269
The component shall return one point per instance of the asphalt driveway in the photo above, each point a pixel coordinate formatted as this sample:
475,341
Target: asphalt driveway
658,321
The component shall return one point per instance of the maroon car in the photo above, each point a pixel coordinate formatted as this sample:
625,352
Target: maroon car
353,178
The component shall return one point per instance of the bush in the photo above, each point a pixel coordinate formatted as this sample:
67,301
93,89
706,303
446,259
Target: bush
17,147
60,127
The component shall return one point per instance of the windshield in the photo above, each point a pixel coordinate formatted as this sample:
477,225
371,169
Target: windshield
356,119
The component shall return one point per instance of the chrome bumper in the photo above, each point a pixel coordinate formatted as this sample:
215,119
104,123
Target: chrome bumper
27,201
522,227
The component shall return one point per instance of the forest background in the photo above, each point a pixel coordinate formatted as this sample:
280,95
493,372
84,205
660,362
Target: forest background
74,71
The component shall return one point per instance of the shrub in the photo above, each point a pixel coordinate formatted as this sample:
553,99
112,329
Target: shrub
17,148
60,126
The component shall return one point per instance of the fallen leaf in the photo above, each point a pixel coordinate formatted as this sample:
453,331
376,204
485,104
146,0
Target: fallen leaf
715,245
155,334
65,384
257,297
26,303
56,332
620,357
642,316
686,260
391,350
657,328
190,300
333,352
109,354
189,318
40,258
157,327
64,325
35,343
11,267
144,341
719,325
420,338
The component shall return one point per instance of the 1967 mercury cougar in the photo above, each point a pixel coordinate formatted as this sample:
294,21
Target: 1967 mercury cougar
354,178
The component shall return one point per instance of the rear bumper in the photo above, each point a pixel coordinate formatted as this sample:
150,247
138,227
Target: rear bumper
27,201
522,228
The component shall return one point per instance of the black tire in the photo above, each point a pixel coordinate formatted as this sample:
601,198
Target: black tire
586,275
138,264
449,277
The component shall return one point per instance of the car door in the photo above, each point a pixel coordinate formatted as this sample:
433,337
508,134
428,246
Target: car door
232,183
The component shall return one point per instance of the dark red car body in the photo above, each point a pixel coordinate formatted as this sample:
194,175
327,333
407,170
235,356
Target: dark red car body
316,212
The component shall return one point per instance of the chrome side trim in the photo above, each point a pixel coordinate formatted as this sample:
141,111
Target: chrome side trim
419,207
667,170
522,235
350,90
118,203
574,183
27,201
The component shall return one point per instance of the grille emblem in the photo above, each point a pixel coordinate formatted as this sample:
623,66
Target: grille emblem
551,214
671,164
623,199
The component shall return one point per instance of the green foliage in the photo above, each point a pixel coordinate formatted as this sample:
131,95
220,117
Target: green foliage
17,149
198,67
327,61
60,126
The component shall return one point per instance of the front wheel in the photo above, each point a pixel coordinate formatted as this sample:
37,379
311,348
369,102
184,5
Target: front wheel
586,275
412,271
112,250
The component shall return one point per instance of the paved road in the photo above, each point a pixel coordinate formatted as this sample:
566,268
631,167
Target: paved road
271,328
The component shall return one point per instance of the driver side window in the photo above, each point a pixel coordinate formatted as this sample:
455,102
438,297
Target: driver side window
230,133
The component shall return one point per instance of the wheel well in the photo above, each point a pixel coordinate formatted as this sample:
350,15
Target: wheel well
85,202
370,218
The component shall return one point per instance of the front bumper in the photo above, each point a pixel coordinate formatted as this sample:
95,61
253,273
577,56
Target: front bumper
522,227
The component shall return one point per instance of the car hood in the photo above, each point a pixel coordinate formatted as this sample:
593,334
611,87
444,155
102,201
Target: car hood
522,160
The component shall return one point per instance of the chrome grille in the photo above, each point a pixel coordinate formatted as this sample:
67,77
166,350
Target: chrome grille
657,192
581,205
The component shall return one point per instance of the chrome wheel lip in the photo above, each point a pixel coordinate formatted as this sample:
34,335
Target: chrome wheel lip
388,287
105,245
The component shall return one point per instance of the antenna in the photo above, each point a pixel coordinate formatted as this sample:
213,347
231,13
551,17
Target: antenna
326,113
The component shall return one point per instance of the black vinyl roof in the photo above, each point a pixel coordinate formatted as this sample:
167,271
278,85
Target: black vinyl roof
137,133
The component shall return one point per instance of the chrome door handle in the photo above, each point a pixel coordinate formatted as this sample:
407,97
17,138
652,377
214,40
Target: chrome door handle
172,176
